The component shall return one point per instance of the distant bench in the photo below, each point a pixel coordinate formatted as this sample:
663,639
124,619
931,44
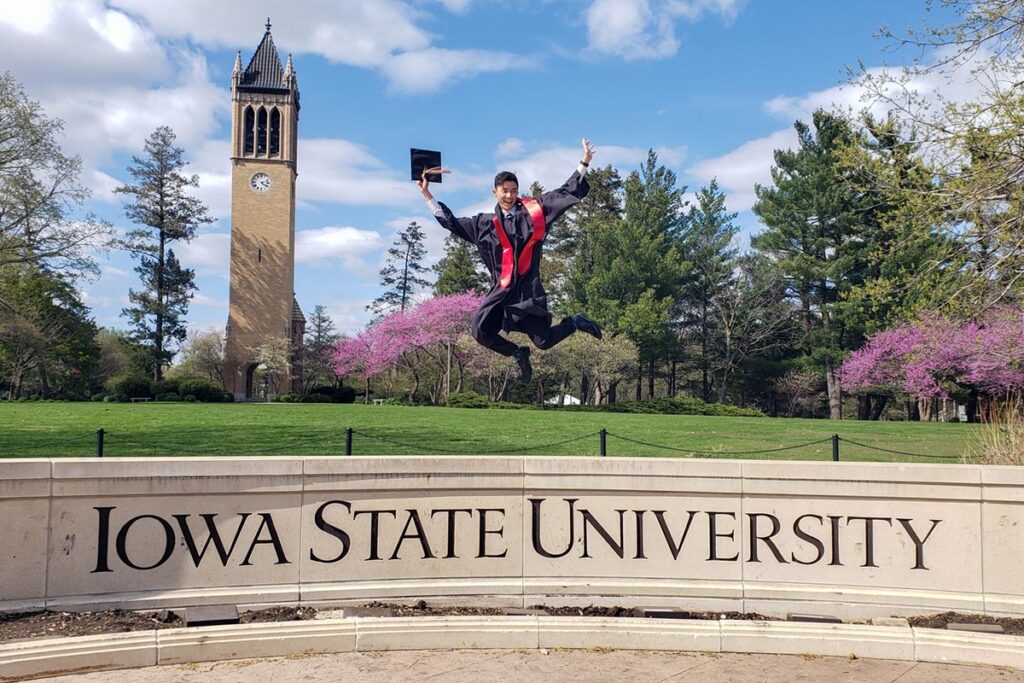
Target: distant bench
144,398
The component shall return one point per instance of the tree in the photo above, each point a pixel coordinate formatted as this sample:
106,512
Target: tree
159,204
709,232
38,190
457,271
752,318
972,145
118,354
815,233
318,350
637,267
202,356
938,357
272,358
569,249
911,262
46,334
402,276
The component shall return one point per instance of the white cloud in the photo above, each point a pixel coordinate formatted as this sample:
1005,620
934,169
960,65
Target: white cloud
382,35
340,171
349,315
209,251
639,29
509,148
628,28
77,43
336,243
738,170
431,69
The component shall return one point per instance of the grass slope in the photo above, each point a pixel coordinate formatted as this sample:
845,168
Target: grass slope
179,429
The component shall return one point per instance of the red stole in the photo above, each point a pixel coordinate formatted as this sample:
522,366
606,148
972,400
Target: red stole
537,216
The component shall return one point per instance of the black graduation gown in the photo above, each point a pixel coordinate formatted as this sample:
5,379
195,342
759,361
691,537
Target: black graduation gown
523,307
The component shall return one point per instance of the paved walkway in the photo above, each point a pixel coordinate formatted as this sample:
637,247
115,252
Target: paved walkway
592,666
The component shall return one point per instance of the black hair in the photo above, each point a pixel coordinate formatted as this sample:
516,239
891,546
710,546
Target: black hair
504,177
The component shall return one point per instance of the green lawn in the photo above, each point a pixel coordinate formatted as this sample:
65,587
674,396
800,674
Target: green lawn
169,429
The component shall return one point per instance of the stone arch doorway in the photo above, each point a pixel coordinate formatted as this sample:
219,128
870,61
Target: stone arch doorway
255,385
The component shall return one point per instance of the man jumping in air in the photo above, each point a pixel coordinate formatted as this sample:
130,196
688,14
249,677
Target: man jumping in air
509,241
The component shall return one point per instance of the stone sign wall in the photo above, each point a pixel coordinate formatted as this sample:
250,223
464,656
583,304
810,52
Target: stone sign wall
850,539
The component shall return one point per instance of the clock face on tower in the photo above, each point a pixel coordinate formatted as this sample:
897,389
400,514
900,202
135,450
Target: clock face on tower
260,182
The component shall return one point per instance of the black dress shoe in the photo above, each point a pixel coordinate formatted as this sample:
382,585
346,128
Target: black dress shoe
585,324
522,356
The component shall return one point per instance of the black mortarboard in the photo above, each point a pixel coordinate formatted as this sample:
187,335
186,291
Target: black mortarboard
424,158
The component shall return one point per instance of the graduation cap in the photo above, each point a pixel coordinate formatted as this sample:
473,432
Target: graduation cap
425,158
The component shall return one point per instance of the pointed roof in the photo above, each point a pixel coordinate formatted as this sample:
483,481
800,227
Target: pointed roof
297,311
264,71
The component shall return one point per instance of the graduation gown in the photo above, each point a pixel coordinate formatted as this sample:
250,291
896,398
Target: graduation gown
522,306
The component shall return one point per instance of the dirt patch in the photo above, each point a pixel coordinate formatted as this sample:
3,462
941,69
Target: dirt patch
1011,625
424,609
24,625
27,625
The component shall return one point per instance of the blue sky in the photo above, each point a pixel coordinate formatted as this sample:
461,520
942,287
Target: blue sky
713,85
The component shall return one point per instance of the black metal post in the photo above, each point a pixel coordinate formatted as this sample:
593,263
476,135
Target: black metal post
835,447
348,441
604,446
99,442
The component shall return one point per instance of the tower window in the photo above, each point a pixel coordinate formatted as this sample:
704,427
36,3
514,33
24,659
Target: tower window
275,132
261,132
250,124
259,256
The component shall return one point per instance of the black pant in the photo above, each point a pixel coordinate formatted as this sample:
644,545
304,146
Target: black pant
487,328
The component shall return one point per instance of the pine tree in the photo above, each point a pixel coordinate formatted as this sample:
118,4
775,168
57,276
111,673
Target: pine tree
457,272
817,222
637,268
164,213
709,233
402,277
318,350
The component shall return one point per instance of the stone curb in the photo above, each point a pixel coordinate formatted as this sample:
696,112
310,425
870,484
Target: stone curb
61,656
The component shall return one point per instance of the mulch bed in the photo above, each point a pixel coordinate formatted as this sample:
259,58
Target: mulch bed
21,626
1011,625
24,625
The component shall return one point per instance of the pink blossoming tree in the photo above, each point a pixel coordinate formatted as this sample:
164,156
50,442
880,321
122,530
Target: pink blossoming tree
937,357
426,333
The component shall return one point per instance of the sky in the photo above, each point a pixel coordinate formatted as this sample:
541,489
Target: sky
713,86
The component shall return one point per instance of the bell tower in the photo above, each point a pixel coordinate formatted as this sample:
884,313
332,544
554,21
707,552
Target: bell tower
263,313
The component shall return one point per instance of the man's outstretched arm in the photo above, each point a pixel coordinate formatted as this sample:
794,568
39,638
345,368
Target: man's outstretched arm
556,202
461,227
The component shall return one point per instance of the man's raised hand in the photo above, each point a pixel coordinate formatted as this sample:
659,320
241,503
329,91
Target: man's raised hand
424,184
588,151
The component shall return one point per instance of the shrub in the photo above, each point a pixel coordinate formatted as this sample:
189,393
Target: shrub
165,386
336,394
203,389
471,399
1001,440
129,385
286,398
317,398
189,399
98,397
681,405
168,397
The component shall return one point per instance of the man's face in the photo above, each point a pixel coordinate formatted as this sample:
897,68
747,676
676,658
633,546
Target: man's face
507,194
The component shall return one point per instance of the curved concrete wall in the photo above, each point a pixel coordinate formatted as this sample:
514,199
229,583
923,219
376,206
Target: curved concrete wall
850,539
